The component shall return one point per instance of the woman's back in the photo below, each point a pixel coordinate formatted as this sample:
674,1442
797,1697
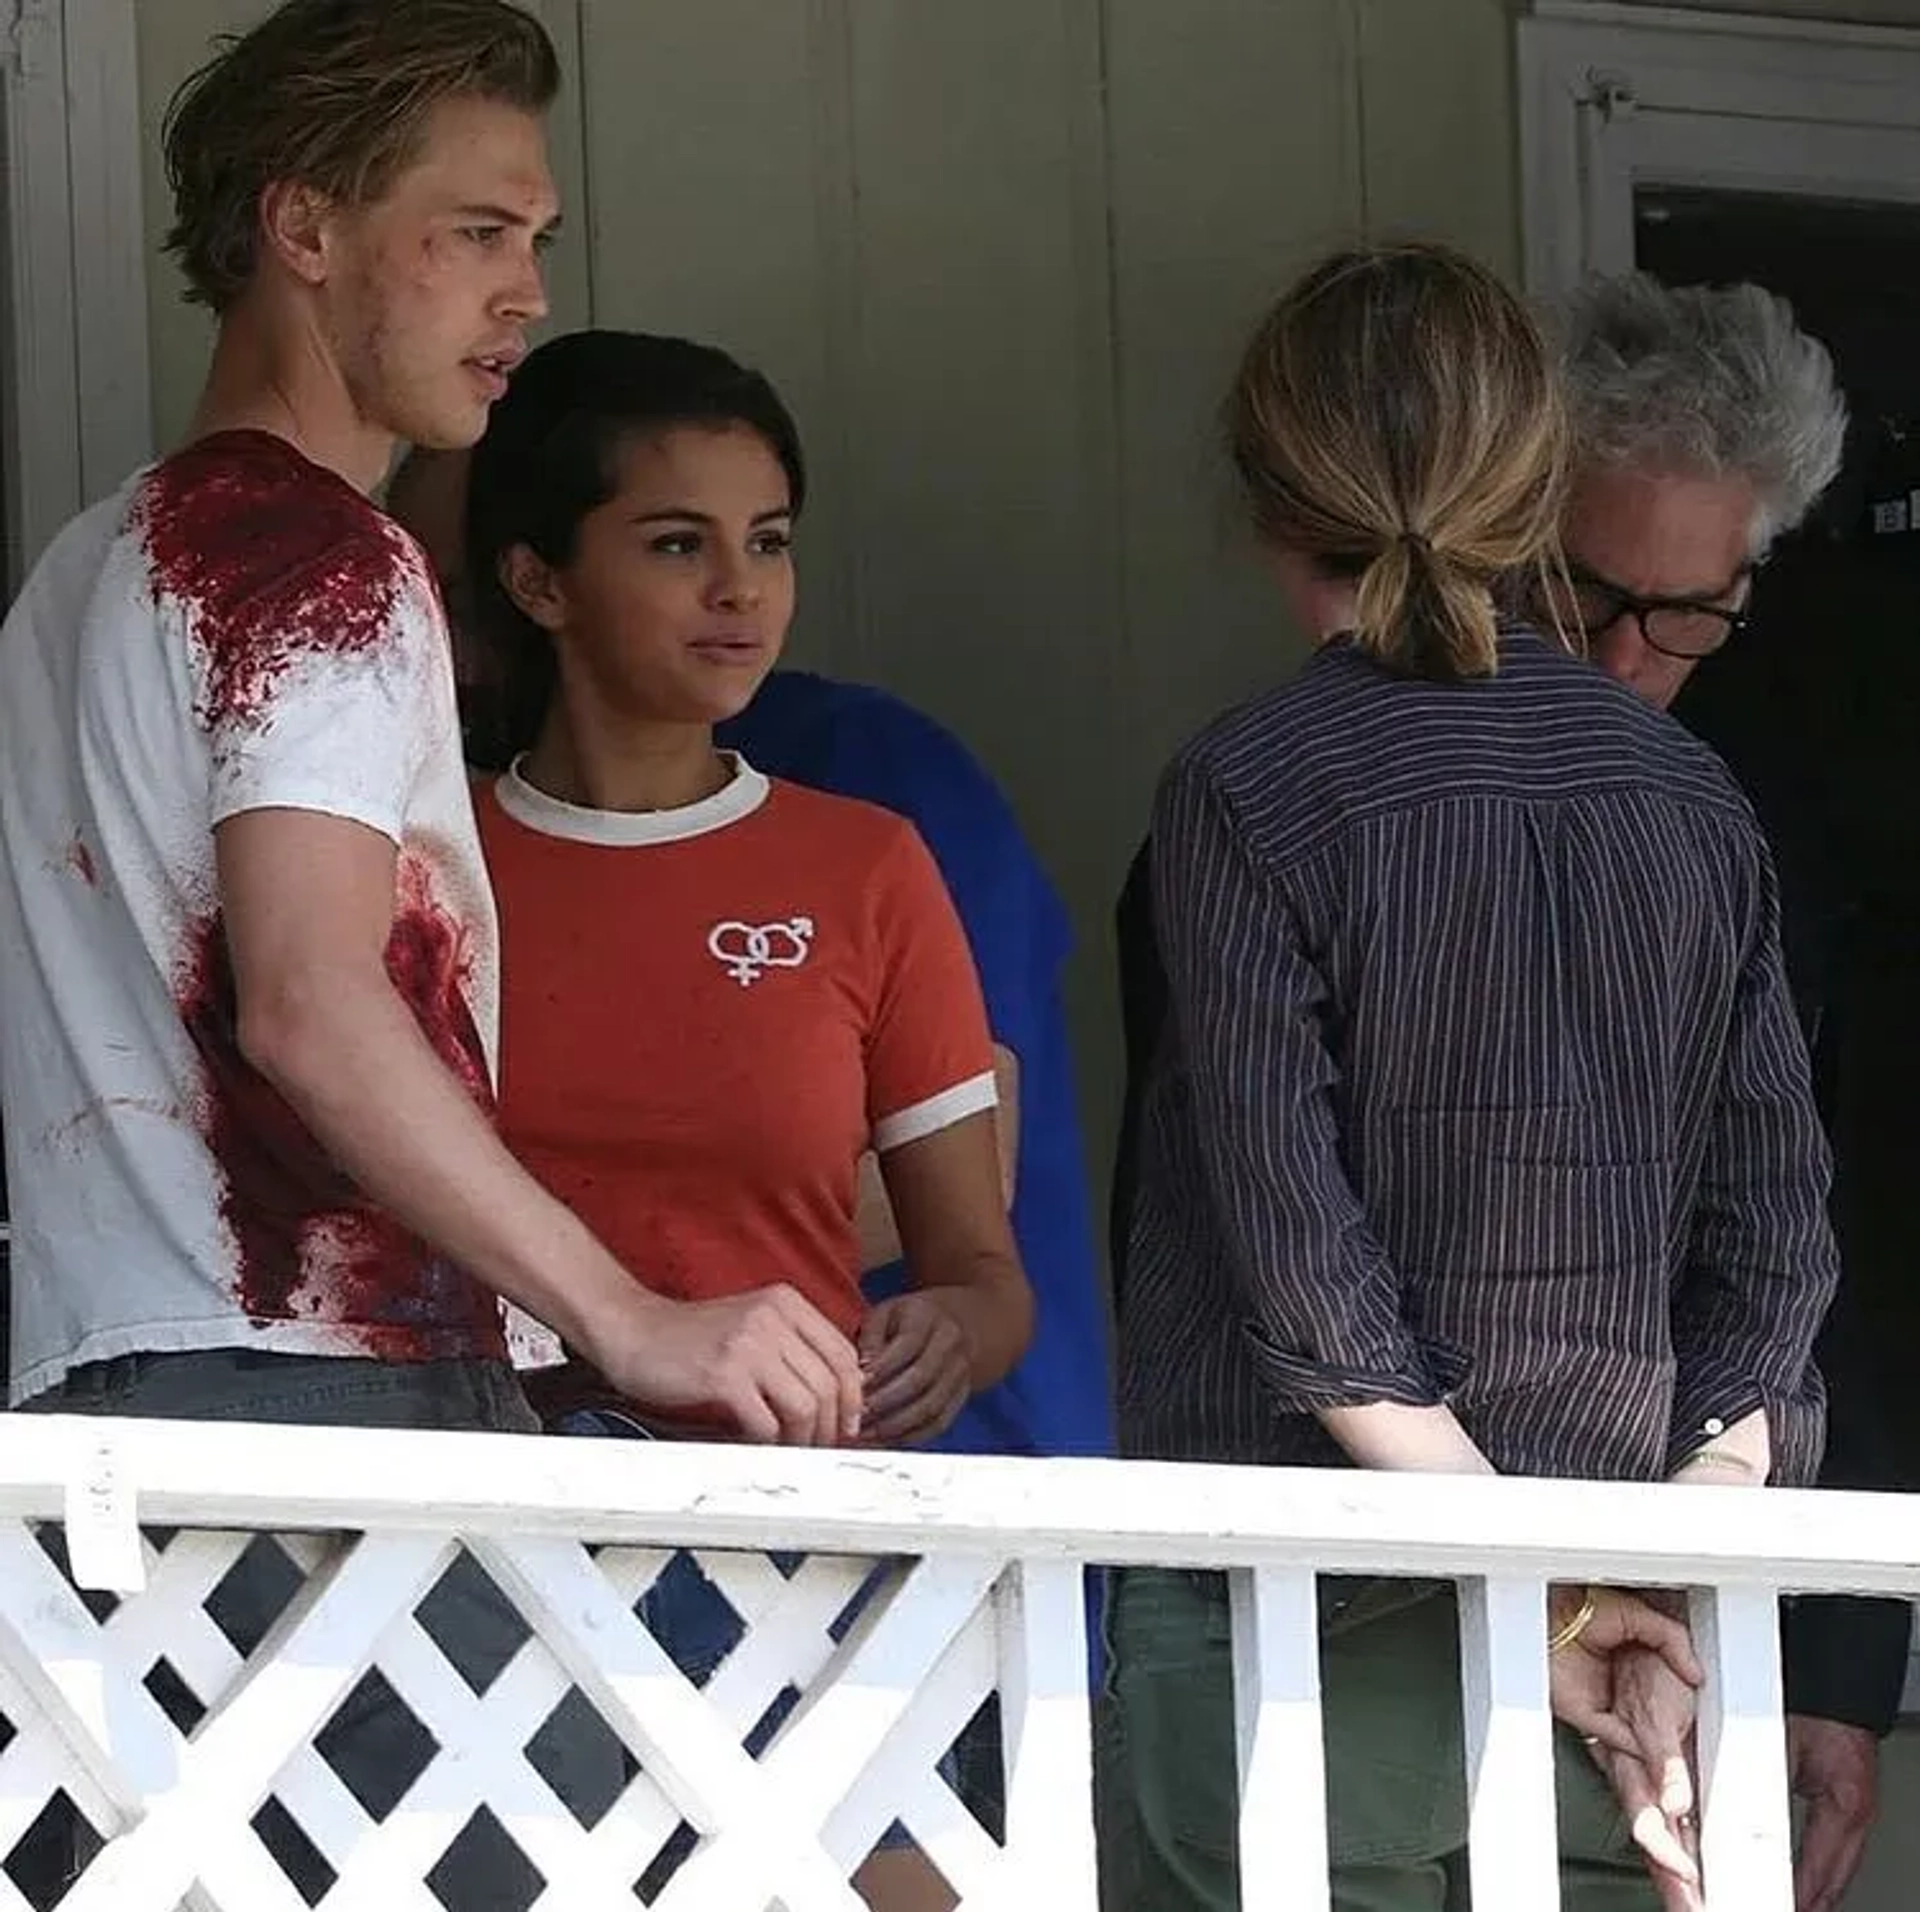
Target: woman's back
1479,1134
1518,925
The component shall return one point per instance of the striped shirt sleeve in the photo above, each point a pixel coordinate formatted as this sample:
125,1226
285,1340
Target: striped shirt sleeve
1762,1264
1249,1006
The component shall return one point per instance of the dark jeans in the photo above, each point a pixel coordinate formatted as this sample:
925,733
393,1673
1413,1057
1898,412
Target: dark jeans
372,1741
248,1384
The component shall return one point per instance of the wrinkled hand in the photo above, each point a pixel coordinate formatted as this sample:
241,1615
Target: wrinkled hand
917,1361
1671,1851
1655,1785
1835,1768
1581,1675
769,1361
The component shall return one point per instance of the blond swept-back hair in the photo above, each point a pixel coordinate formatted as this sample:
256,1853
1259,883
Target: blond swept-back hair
333,94
1398,420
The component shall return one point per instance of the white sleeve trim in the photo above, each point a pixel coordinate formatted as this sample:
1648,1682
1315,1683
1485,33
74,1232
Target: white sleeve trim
938,1112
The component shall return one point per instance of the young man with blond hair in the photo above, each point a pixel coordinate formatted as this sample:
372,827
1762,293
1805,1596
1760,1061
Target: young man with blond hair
247,947
249,950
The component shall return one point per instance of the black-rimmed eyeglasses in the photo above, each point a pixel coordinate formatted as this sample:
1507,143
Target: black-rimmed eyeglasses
1674,626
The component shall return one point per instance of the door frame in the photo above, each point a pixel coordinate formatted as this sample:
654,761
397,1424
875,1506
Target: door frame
1585,66
78,384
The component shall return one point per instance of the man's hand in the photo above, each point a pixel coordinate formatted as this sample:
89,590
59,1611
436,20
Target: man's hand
1835,1768
770,1361
1657,1706
1655,1787
918,1363
308,905
1670,1846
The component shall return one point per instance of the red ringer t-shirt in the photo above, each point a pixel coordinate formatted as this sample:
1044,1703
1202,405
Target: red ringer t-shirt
709,1014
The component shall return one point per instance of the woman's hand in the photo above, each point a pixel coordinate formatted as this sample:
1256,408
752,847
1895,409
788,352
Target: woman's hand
1580,1674
916,1361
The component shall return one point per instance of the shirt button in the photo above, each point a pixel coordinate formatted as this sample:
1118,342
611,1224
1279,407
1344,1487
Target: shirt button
1712,1426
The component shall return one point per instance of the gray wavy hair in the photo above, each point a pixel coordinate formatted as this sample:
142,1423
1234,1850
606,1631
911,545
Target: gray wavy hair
1706,380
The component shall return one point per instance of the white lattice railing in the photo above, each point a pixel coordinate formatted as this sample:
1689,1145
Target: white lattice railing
985,1596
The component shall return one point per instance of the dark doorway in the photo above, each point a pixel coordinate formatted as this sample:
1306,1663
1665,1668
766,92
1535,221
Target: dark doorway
1818,714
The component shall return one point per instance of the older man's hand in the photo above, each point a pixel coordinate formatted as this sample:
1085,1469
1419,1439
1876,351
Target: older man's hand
1655,1786
1835,1769
1670,1847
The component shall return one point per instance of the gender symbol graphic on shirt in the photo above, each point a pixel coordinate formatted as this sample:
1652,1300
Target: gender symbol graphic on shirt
748,950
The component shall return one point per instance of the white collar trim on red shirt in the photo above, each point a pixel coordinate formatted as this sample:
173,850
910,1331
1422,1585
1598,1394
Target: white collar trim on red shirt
745,791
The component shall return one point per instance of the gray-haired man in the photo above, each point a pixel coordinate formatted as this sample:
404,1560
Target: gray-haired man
1707,424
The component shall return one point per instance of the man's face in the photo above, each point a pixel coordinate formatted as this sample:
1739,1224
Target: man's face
1657,535
439,279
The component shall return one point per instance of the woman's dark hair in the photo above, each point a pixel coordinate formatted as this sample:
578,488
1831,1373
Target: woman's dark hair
551,456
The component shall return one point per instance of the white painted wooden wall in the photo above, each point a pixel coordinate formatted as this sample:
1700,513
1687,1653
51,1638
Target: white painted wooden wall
984,1594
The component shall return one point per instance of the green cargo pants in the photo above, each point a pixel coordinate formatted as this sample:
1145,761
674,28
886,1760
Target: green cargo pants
1396,1784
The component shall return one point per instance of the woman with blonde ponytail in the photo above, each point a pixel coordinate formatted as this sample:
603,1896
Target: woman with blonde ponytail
1397,424
1477,1134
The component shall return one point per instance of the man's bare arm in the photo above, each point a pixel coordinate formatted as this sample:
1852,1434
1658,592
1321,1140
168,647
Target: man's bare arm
308,906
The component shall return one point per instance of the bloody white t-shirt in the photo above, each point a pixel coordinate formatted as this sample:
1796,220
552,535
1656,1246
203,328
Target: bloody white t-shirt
237,629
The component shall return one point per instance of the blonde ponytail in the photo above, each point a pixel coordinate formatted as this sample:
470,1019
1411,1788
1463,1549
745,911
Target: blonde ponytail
1398,419
1419,608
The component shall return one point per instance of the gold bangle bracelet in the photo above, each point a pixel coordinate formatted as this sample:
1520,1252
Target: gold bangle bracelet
1565,1636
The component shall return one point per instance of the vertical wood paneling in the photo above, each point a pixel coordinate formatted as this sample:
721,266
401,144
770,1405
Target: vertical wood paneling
720,201
899,208
569,293
174,40
1436,91
981,407
1234,143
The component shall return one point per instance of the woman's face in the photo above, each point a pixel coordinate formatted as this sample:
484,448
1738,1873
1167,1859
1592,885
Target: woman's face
677,599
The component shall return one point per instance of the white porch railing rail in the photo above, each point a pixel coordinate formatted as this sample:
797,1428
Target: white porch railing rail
986,1596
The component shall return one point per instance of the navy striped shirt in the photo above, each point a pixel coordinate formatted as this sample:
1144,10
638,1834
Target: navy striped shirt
1480,1083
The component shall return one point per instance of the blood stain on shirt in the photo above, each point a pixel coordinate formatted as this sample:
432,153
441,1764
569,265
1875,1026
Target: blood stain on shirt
309,1245
431,965
277,1179
277,560
79,860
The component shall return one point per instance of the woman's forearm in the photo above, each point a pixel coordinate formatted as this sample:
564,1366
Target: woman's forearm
1405,1440
1741,1457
